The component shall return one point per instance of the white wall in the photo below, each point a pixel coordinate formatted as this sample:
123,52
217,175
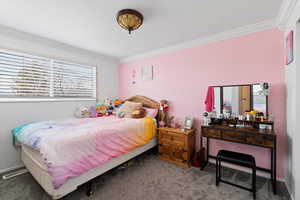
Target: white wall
293,109
14,114
107,80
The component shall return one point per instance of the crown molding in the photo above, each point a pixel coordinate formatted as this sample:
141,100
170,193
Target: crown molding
14,37
243,30
285,13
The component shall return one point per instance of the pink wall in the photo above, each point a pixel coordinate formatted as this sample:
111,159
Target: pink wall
182,78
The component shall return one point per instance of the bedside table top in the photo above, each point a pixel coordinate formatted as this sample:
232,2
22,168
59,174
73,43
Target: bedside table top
177,130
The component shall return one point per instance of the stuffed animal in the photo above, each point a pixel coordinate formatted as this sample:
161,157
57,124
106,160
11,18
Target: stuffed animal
164,119
100,107
107,102
110,110
121,114
138,113
117,103
103,110
93,112
82,112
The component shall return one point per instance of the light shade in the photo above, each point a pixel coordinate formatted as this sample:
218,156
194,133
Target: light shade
129,19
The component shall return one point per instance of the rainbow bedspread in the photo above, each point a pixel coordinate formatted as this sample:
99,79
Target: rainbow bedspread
72,147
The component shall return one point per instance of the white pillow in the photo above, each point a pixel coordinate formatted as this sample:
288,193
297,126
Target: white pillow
128,107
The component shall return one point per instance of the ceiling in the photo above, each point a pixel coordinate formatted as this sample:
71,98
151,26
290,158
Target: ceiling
91,24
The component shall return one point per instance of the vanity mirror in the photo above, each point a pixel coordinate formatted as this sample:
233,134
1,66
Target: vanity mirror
236,99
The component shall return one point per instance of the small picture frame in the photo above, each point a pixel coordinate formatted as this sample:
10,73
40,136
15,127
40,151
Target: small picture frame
188,123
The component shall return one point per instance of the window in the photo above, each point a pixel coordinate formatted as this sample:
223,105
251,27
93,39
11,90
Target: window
27,76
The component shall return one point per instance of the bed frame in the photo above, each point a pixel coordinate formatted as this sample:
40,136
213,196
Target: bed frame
149,103
39,171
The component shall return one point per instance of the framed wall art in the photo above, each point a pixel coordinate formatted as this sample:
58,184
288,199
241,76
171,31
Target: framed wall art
147,73
289,45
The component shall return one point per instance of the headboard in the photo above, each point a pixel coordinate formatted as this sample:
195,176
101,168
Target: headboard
147,102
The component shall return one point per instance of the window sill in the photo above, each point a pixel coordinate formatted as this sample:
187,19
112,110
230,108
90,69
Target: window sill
20,100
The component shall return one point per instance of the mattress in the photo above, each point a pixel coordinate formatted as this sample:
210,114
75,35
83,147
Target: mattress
34,163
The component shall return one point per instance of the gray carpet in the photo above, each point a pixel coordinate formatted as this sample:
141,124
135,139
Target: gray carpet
151,179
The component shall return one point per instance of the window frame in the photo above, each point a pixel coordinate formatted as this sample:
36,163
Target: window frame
51,98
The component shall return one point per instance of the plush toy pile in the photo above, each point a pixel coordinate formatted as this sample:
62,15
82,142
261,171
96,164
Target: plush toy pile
99,110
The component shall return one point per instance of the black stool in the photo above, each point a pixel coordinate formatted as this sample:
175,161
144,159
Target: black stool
240,159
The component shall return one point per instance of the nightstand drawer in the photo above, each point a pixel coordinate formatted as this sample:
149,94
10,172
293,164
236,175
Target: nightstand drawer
173,153
170,138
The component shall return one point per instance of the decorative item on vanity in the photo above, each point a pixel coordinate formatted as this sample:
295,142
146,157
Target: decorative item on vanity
206,118
227,110
129,19
241,117
248,117
264,89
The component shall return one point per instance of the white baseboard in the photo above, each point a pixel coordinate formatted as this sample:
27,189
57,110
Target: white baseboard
245,169
2,171
258,173
289,190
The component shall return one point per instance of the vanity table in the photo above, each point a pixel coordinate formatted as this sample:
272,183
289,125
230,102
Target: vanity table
249,133
249,136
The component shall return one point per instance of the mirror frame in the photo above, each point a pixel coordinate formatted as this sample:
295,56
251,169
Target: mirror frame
251,93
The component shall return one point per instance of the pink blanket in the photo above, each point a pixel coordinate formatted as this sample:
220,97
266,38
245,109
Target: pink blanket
73,147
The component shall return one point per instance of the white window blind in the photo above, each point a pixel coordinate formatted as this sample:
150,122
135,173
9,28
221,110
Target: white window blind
27,76
73,80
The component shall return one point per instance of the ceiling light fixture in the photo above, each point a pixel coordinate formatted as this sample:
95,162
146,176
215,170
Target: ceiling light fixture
129,19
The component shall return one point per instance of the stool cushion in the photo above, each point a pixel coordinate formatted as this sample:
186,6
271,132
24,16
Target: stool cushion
242,159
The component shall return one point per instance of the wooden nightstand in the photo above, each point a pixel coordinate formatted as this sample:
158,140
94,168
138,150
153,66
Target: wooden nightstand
176,145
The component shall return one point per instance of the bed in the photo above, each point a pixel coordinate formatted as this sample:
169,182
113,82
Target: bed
43,173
